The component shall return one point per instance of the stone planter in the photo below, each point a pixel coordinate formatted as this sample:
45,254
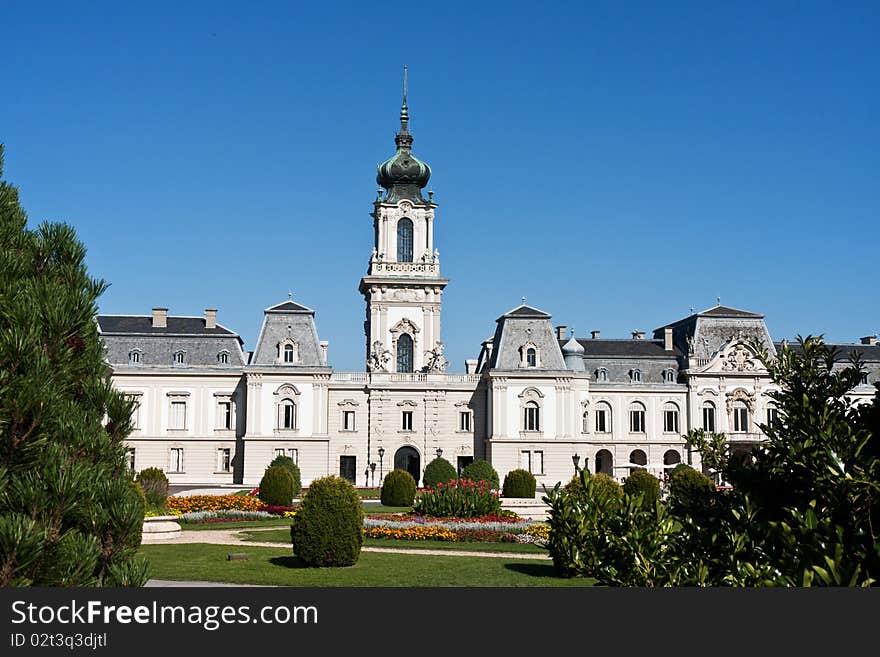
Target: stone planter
160,528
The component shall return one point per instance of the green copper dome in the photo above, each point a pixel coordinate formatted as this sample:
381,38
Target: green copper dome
403,175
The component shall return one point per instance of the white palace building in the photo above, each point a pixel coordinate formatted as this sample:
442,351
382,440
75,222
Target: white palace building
210,412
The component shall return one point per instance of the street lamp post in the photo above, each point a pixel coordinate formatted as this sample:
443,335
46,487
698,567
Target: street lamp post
439,452
373,472
381,454
367,477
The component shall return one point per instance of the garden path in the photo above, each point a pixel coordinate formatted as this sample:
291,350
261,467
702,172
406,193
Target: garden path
230,537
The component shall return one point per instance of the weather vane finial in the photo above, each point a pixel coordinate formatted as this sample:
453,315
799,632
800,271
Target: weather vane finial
718,300
404,84
523,301
404,111
289,295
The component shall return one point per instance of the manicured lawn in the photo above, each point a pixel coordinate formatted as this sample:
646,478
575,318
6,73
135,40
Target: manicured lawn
374,509
198,562
283,536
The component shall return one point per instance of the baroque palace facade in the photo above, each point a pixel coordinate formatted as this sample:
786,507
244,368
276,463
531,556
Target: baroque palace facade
209,412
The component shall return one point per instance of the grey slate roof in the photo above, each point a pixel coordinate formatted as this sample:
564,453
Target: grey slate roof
625,348
525,311
289,306
868,352
288,320
143,325
519,326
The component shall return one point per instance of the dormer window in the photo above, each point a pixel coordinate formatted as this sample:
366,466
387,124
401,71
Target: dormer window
669,376
864,379
288,352
635,376
530,355
601,375
223,357
134,357
178,357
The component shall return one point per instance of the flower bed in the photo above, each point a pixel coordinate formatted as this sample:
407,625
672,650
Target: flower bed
213,503
492,528
200,517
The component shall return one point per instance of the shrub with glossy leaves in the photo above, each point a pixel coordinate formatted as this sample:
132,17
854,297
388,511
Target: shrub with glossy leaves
286,462
154,484
519,483
645,484
276,486
438,471
327,529
481,471
398,488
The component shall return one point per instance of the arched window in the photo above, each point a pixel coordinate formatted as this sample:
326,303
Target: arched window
709,417
638,459
601,375
585,425
404,353
604,462
635,376
288,353
287,414
177,359
223,358
603,418
636,418
531,416
671,457
740,417
134,357
404,240
669,376
531,357
670,418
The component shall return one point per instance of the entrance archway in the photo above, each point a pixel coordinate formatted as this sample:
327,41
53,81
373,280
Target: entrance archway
407,458
671,458
637,460
604,462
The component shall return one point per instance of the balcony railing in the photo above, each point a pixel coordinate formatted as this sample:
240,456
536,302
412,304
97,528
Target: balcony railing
430,268
404,377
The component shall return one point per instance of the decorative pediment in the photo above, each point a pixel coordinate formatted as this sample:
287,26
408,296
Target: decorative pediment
739,358
741,395
348,402
407,402
287,390
531,393
404,326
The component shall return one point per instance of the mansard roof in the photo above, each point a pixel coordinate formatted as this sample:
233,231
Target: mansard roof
715,311
524,311
624,348
143,325
868,352
288,307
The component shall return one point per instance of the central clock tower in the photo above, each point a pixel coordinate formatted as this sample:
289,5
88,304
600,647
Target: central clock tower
403,286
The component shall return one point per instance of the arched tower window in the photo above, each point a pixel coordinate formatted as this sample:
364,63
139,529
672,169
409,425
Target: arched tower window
531,357
404,353
405,242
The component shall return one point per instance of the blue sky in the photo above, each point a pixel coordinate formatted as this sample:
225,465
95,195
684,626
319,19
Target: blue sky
615,163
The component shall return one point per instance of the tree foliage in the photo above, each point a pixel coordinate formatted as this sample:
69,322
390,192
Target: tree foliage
69,514
804,509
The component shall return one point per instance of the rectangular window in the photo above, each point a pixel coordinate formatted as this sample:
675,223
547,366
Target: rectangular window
670,421
463,462
176,460
525,460
532,418
224,414
224,459
178,415
348,468
741,419
637,421
135,412
601,420
129,459
772,416
464,421
406,421
709,419
538,462
279,451
293,453
348,420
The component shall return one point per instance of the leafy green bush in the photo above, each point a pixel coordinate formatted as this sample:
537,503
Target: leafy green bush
481,471
398,488
155,486
276,486
438,471
286,462
327,529
644,484
519,483
610,491
461,498
690,491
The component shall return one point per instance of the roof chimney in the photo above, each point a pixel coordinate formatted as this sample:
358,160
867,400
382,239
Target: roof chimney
210,318
638,335
560,332
667,338
324,345
595,334
160,318
869,339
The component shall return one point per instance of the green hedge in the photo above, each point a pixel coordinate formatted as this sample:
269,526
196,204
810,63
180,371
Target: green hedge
286,462
398,488
643,483
519,483
276,486
481,471
438,471
328,527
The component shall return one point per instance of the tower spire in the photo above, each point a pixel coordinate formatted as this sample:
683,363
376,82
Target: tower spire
404,110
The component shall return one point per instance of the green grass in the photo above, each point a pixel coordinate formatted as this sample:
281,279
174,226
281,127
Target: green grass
283,536
376,509
278,566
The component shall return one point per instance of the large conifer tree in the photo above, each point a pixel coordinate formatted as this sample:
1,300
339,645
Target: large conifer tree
69,512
